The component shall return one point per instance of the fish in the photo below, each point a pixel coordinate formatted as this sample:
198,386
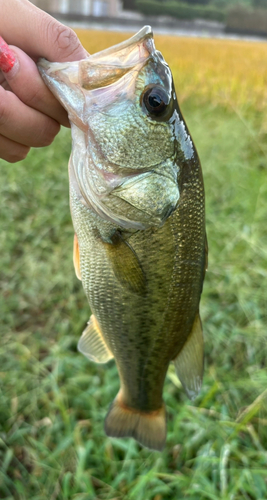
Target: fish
138,211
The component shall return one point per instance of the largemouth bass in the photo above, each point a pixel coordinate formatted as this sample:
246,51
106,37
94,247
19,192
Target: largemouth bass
137,204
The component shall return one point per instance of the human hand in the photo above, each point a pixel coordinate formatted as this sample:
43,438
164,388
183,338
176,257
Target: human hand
30,116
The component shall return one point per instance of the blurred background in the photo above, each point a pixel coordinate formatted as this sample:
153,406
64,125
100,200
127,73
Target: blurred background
52,400
208,16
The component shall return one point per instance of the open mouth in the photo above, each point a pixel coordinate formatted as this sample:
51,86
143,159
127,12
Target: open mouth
104,68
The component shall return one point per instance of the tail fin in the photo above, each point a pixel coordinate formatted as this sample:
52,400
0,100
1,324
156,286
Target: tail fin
149,429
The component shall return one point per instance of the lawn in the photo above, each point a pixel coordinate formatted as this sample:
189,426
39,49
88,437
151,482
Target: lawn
53,401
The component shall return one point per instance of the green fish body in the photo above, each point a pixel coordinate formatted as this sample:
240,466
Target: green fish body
137,204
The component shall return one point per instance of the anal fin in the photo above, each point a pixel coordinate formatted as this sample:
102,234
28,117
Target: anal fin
92,343
125,264
190,361
76,257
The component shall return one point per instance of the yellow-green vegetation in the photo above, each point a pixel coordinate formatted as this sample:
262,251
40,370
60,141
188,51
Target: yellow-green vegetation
53,401
228,72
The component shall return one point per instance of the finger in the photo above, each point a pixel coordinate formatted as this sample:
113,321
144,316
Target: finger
22,23
6,86
25,81
25,125
12,151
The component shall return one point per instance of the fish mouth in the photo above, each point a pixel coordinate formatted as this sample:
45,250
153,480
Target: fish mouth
105,67
123,49
100,79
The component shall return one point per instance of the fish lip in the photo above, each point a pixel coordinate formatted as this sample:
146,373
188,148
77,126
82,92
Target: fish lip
143,34
121,59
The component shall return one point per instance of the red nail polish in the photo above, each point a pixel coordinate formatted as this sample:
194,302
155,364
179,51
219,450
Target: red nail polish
7,57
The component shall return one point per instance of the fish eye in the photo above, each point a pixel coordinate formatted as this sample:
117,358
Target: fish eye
156,100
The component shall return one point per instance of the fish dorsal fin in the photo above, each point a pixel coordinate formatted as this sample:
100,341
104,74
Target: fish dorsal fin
125,264
76,257
92,343
189,362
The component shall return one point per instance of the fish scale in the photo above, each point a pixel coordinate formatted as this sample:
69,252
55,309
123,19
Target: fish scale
137,204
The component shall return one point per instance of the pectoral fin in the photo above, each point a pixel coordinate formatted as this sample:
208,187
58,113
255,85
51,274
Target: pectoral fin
76,257
125,264
189,362
92,343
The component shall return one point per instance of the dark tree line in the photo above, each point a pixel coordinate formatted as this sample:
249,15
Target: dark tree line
219,4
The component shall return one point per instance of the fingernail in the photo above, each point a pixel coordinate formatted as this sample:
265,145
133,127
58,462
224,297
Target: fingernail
7,56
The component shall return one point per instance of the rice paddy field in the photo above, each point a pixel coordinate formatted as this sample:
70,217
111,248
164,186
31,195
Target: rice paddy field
52,400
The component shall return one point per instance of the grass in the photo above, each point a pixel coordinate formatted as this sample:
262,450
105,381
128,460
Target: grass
53,401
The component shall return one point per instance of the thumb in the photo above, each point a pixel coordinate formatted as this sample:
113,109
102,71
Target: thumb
39,34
